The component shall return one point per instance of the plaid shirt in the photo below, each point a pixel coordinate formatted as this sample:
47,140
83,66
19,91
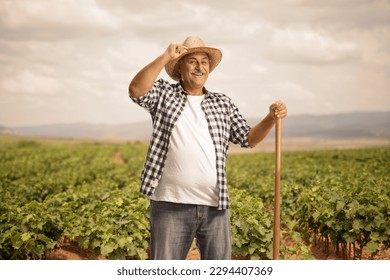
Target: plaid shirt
165,102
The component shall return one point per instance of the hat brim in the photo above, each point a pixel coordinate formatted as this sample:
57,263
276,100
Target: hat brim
215,56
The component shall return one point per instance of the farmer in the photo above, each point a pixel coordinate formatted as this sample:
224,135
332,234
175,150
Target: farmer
185,170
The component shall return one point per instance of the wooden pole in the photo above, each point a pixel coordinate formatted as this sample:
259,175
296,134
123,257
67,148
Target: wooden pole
278,136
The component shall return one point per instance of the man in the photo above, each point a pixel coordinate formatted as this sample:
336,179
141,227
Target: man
185,170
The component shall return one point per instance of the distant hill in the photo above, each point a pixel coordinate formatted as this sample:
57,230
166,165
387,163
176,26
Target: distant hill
340,126
336,126
139,130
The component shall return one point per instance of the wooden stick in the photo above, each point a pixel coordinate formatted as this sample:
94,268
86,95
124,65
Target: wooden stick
278,136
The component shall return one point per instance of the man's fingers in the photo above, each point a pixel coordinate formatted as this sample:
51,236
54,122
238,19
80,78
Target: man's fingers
180,49
278,109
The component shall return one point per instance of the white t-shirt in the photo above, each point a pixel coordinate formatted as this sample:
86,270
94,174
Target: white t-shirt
190,174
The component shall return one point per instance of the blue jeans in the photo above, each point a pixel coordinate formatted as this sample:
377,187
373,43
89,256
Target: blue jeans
173,227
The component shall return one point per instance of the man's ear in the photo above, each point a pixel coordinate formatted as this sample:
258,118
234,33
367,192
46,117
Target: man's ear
179,66
179,70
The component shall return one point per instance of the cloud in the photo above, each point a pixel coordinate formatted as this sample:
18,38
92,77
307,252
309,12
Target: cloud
260,69
289,89
53,20
307,46
27,82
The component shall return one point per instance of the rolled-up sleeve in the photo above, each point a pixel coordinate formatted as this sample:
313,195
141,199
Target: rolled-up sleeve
150,99
239,128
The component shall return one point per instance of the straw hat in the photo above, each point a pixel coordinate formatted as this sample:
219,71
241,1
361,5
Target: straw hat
194,44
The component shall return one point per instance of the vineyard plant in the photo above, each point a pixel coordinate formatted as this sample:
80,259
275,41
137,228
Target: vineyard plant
51,190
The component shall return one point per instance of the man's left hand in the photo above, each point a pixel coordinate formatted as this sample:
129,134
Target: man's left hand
278,110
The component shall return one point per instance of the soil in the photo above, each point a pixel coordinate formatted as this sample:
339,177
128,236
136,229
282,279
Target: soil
320,254
68,250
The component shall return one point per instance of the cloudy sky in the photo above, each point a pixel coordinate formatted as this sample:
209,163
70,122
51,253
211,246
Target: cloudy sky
72,60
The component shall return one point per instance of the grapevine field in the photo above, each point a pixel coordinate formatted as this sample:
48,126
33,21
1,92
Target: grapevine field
87,193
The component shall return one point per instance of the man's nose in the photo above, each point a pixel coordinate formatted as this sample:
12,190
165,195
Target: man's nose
198,66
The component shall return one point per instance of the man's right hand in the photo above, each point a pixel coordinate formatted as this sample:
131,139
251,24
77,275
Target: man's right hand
175,50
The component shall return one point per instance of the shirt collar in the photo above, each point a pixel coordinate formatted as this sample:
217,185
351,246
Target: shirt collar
181,89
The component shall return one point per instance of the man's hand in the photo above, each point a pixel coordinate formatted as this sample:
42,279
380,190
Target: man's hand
278,110
258,132
175,50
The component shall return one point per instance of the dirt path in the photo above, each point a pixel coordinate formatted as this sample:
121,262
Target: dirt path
118,158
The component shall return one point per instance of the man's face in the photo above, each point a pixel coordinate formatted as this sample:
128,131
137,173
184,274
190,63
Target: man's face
194,70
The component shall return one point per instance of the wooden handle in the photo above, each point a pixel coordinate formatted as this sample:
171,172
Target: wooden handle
278,137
